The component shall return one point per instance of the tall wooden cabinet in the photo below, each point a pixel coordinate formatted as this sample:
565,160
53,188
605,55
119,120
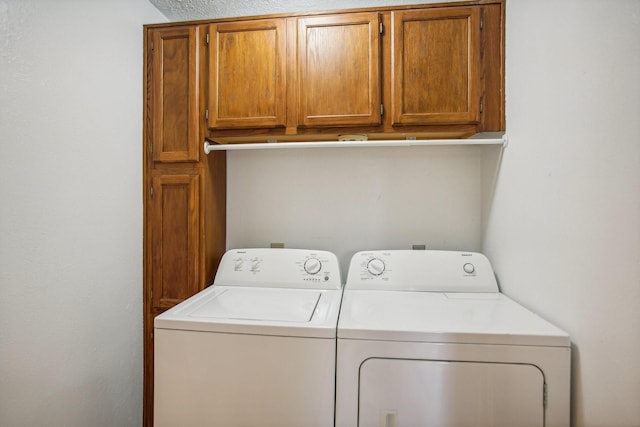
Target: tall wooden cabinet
184,190
426,71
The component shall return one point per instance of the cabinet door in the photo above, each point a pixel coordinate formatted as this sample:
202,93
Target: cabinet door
175,94
339,70
247,74
174,238
435,66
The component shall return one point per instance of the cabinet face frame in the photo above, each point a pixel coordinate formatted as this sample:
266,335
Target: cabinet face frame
329,81
406,63
175,95
256,70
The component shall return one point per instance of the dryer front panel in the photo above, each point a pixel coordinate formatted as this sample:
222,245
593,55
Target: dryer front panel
405,392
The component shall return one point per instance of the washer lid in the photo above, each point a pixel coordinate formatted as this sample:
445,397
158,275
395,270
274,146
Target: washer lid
286,305
258,311
465,318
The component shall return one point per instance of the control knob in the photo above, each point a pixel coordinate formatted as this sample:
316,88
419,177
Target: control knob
312,266
376,266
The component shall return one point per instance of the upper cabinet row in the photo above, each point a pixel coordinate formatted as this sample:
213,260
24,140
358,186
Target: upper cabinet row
413,71
336,62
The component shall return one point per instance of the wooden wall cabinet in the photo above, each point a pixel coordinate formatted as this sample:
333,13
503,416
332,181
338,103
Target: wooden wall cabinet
184,190
435,71
338,68
247,74
403,70
337,72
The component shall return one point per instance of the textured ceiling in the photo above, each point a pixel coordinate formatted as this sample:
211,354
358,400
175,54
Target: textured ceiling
187,10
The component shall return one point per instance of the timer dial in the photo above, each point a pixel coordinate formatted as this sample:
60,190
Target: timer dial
312,266
376,266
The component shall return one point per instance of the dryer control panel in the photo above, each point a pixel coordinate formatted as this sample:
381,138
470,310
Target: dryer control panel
409,270
279,268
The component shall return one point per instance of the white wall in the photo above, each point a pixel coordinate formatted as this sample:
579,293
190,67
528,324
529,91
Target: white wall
71,212
344,200
564,228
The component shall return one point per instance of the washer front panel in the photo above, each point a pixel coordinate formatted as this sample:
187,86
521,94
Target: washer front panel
238,380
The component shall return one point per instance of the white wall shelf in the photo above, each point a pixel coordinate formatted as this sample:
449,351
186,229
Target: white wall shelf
485,138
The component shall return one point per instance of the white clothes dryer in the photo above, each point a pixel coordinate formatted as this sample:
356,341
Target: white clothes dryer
425,338
255,349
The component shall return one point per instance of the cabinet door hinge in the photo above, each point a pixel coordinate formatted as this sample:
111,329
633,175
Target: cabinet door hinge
481,23
206,114
151,192
481,106
152,45
381,28
151,148
207,39
381,109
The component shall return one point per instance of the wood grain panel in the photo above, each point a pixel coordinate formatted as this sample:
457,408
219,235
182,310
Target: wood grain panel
247,74
175,238
175,95
492,58
435,66
339,70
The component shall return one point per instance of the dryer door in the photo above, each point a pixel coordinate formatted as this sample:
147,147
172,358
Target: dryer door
400,392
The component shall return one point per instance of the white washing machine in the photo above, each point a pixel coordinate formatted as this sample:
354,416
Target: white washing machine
425,338
257,348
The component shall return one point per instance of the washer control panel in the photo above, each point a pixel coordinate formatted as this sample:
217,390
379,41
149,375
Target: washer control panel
282,268
435,271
